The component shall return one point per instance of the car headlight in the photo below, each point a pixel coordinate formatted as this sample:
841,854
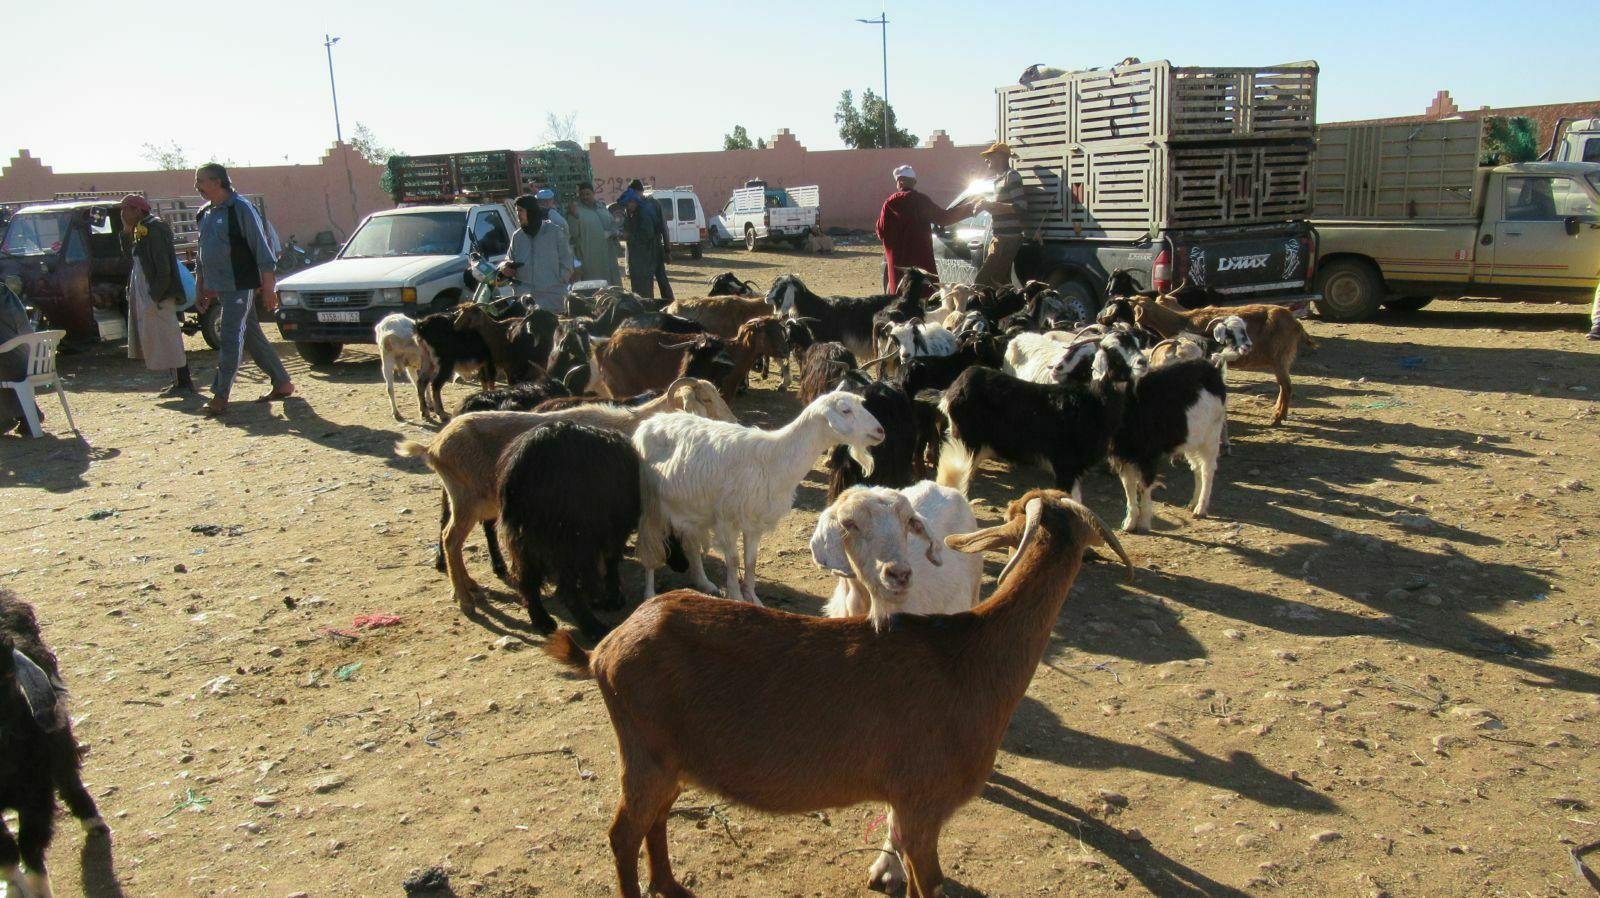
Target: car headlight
289,298
389,296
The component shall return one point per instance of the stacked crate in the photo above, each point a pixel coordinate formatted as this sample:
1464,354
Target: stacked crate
1136,149
562,165
489,174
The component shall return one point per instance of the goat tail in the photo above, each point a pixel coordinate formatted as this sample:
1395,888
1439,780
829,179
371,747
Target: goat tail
1305,338
956,463
413,449
562,647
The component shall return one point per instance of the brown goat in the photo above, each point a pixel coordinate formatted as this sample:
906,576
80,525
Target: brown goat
496,335
721,315
757,338
1275,336
769,708
636,359
466,453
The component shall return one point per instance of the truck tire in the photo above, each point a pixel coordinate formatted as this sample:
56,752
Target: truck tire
317,354
208,325
696,252
750,243
1405,305
798,243
1351,291
1079,298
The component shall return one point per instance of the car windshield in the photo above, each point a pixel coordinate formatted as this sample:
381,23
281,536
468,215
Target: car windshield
35,234
1594,181
981,189
409,234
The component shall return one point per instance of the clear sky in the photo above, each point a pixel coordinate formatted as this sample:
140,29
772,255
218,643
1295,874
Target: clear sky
91,81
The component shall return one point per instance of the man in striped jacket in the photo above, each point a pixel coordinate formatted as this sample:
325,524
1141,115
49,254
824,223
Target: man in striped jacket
235,261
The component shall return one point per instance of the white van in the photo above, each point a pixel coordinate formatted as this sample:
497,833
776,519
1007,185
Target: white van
684,216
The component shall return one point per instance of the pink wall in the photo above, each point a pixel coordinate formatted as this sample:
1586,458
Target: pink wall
854,182
333,194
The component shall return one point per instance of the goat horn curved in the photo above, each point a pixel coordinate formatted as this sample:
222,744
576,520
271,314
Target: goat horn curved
881,358
677,345
1105,531
1033,510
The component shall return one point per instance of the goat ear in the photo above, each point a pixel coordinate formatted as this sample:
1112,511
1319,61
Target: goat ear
827,545
919,526
1005,536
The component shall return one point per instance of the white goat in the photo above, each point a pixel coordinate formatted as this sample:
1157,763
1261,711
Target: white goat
708,476
1032,356
399,349
953,301
915,339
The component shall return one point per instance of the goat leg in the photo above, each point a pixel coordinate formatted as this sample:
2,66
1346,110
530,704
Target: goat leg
444,521
728,547
752,542
887,874
388,383
919,839
612,601
497,563
438,387
1285,390
662,882
575,588
530,582
69,782
35,826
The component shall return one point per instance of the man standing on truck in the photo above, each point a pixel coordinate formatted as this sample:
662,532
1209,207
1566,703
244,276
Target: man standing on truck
1006,210
905,226
540,256
235,262
594,232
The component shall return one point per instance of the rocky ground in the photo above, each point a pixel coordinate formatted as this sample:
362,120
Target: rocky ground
1374,671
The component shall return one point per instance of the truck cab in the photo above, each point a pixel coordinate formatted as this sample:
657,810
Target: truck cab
1580,143
412,259
69,257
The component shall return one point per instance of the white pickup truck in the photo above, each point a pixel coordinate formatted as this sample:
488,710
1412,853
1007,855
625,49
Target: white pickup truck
412,259
757,213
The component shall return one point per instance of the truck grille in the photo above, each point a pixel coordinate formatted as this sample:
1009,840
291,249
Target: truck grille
358,299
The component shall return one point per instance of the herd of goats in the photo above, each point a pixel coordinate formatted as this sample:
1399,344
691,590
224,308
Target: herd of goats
615,425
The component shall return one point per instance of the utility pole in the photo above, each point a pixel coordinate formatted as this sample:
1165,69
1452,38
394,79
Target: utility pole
327,43
883,21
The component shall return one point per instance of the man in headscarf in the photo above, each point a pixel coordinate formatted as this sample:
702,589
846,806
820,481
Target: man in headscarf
646,237
594,234
906,225
649,207
540,257
155,294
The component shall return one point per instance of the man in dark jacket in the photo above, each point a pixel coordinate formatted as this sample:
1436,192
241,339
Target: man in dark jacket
644,236
649,207
155,294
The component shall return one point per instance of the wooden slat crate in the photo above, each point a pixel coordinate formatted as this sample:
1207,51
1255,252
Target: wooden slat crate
1421,170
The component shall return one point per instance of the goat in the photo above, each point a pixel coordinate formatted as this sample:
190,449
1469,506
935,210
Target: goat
937,372
846,319
633,361
452,350
916,339
38,754
496,335
572,355
733,481
1274,333
522,397
823,365
757,338
1122,285
399,350
895,461
465,454
1228,341
1032,356
569,500
730,284
614,306
1044,310
1178,408
764,707
532,339
721,316
991,413
953,300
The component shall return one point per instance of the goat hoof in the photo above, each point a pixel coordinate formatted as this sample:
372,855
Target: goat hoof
887,883
671,890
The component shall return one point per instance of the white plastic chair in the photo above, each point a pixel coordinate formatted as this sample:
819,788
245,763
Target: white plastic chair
41,375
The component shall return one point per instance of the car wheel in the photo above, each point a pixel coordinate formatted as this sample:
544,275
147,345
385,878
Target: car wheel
750,238
1351,291
1079,299
1405,305
317,354
208,324
696,252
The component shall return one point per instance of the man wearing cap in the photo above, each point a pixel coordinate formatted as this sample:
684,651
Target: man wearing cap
236,260
547,200
1006,210
155,294
906,226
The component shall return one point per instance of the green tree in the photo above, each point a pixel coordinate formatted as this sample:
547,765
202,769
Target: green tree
168,158
1509,139
863,128
740,140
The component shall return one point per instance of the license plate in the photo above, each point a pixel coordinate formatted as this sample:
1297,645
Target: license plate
339,317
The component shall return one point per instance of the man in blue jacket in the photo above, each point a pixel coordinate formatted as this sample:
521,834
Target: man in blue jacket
235,261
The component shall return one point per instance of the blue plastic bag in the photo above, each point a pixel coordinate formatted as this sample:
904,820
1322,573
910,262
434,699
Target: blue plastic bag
186,277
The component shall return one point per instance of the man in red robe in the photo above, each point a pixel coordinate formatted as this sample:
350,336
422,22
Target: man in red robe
906,225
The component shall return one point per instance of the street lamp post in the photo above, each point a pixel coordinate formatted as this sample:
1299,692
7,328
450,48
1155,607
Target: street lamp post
327,43
883,21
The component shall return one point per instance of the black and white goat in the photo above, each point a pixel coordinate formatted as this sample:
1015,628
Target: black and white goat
730,284
570,496
453,350
915,339
845,319
38,754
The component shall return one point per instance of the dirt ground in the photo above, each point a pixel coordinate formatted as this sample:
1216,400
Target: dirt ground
1375,671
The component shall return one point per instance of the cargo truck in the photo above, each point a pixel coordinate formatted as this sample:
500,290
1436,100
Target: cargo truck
1406,213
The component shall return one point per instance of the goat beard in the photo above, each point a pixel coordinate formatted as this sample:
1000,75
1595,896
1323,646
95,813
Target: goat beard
863,457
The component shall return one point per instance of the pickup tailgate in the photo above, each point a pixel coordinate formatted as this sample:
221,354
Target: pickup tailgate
787,217
1244,265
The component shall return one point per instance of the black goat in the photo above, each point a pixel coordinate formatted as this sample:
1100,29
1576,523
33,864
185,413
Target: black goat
571,355
1122,284
994,414
38,754
910,301
730,284
570,496
610,311
822,365
531,339
663,321
937,372
521,397
893,460
846,319
451,349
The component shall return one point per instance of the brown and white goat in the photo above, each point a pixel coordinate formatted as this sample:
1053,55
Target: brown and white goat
1275,336
466,453
766,707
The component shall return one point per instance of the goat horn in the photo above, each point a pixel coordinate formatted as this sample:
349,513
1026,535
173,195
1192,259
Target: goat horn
881,358
1105,531
677,345
1033,510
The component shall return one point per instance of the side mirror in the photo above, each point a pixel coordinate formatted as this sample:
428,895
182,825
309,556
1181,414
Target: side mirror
1572,225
